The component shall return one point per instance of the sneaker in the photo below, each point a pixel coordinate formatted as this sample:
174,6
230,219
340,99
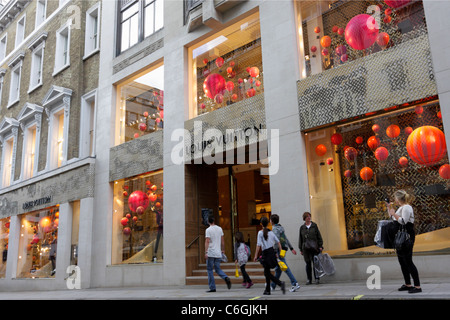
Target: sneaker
404,288
244,284
211,290
249,285
294,288
414,290
227,280
266,293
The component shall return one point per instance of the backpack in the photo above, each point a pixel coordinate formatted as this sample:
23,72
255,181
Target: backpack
247,249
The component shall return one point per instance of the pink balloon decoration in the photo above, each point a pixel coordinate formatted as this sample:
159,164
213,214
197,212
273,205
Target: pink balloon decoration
213,85
361,32
396,3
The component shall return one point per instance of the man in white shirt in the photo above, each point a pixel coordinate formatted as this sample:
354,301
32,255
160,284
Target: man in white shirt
214,243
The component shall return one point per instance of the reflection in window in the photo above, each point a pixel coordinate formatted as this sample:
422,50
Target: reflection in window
37,244
141,106
227,67
138,219
354,167
4,240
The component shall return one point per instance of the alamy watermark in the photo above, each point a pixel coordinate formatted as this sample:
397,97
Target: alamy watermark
213,146
73,281
374,280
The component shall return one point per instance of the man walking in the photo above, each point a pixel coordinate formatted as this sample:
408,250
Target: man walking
213,254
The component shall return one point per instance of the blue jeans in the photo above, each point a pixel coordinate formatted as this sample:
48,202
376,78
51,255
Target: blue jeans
210,264
288,272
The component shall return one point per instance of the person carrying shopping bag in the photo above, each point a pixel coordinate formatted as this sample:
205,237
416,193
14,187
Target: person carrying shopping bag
310,243
266,240
278,230
242,254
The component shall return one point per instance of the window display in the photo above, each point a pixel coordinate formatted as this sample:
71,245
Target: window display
141,105
227,67
336,32
4,239
355,167
138,219
37,244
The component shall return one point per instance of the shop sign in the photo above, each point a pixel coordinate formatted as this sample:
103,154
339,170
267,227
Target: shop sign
38,202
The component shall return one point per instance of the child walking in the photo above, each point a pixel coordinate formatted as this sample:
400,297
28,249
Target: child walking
242,253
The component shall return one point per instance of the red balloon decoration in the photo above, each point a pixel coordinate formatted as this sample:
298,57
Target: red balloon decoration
321,150
254,72
336,139
124,221
444,171
219,62
373,142
330,161
251,92
137,199
403,161
325,52
426,145
347,173
142,126
383,39
418,110
140,210
317,29
213,85
152,197
359,140
361,32
393,131
396,3
126,231
376,128
313,49
218,98
350,153
366,173
381,153
408,131
230,86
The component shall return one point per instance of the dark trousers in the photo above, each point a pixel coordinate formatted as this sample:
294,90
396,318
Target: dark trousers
309,270
245,274
406,263
270,277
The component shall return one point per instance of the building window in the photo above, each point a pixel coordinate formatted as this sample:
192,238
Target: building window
62,51
138,219
141,105
20,31
92,30
139,19
334,33
29,152
4,240
227,67
353,167
14,91
37,244
3,42
8,150
37,63
87,130
41,8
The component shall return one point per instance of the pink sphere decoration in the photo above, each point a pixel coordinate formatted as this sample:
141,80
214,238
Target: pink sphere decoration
313,49
230,86
137,199
126,231
325,52
140,210
341,31
219,62
142,126
344,57
218,98
213,85
396,3
330,161
124,221
361,32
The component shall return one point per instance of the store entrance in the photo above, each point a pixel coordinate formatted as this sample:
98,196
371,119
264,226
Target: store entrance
237,195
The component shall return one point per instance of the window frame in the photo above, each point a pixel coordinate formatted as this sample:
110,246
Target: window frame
40,16
15,70
3,47
36,83
22,34
93,16
60,64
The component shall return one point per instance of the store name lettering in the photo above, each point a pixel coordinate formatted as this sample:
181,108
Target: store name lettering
38,202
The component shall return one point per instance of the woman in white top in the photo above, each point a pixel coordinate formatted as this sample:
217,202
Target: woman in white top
405,216
266,239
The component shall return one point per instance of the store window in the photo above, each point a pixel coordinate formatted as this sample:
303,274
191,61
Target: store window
141,105
37,244
333,33
227,67
353,167
4,240
138,219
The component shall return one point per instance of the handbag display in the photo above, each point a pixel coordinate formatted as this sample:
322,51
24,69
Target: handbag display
402,241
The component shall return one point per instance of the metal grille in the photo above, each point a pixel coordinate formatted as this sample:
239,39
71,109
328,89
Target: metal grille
364,202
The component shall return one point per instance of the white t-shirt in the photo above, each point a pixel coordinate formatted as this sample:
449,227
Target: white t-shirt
406,214
214,233
270,242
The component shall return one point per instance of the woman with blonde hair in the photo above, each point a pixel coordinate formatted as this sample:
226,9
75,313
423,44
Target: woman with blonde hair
404,215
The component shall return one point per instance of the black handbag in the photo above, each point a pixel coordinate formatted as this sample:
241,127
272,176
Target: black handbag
402,240
269,258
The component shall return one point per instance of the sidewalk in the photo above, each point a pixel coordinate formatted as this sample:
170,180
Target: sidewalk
433,289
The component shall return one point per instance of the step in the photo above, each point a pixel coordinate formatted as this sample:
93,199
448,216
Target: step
203,280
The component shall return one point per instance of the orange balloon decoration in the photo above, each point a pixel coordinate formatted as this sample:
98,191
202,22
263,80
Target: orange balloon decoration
408,131
359,140
426,145
376,128
403,161
321,150
373,142
366,173
325,41
393,131
381,153
383,39
444,171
